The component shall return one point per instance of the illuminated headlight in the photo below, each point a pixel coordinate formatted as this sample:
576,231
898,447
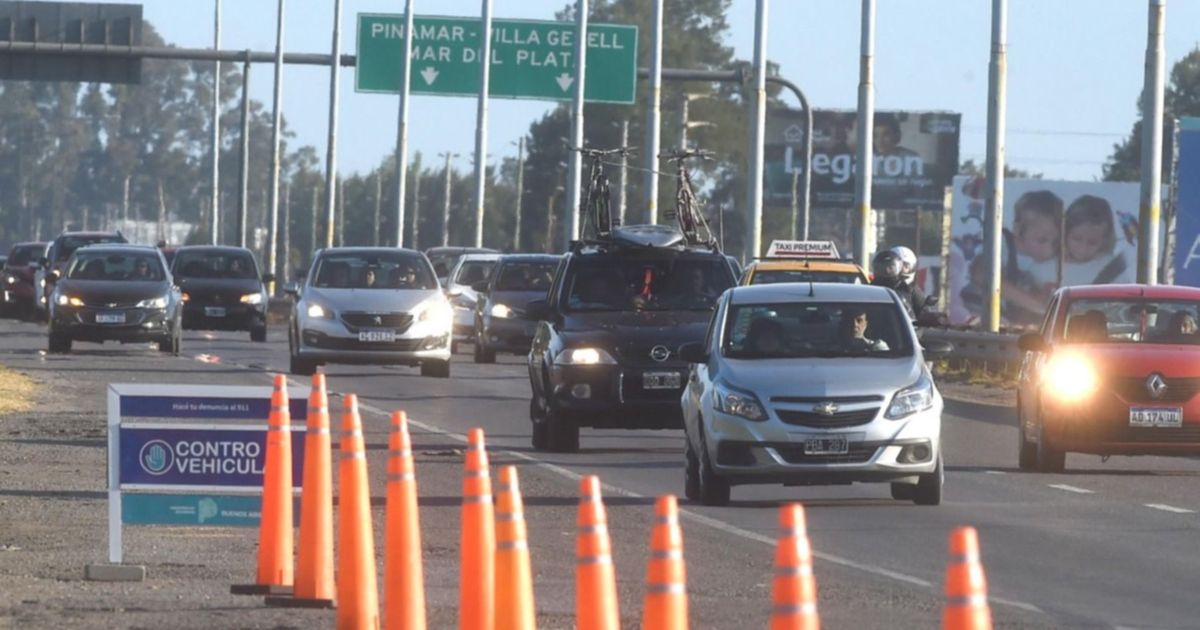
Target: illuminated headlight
502,311
67,300
251,298
41,283
317,311
737,403
185,297
584,356
1069,377
10,279
158,302
912,399
439,312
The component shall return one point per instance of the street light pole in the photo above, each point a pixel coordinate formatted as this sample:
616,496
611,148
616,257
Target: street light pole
276,121
581,22
754,192
481,119
1152,132
520,192
402,127
378,209
244,158
335,76
864,238
623,192
446,200
994,191
215,177
654,124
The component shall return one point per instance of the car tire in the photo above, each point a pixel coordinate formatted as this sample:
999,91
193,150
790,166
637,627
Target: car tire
903,491
58,344
300,366
563,432
1048,459
258,334
436,369
540,436
482,353
928,490
171,344
713,490
1026,450
691,471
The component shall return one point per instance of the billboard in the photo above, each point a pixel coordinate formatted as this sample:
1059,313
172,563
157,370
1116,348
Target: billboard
1098,221
916,157
1187,203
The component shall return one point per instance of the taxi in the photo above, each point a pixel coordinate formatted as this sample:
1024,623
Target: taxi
803,261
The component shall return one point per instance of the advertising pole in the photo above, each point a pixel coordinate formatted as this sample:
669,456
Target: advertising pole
581,21
993,221
215,178
654,122
335,77
864,241
402,128
1152,139
481,119
276,120
754,187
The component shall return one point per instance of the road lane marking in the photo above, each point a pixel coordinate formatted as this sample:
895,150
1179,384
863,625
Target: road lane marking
1169,508
994,472
1069,488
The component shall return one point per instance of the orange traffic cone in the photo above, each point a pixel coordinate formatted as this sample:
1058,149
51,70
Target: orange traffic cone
514,578
314,565
403,583
477,595
274,576
794,593
966,586
357,596
665,606
595,581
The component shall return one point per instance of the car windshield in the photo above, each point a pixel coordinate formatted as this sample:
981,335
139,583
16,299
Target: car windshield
776,276
69,244
373,270
1132,320
607,283
231,265
816,329
473,271
109,266
23,255
525,276
443,263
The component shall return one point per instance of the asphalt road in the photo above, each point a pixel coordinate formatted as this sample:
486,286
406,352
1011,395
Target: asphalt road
1103,545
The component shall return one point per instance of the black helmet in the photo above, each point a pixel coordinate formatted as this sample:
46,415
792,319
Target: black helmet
887,267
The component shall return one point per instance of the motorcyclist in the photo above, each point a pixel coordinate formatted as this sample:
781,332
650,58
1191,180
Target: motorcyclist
892,271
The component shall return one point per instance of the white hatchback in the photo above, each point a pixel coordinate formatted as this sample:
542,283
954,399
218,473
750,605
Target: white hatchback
812,384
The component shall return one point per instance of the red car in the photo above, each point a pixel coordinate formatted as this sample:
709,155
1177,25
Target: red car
1115,370
18,278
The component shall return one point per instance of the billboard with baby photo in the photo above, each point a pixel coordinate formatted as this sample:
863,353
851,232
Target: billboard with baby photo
1056,233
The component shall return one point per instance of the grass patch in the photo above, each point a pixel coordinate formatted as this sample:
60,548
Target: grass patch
16,392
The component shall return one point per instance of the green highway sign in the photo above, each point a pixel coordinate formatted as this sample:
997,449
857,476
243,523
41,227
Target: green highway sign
532,59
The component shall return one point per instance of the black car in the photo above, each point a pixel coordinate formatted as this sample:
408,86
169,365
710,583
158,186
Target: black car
58,252
605,353
115,293
223,289
443,259
500,323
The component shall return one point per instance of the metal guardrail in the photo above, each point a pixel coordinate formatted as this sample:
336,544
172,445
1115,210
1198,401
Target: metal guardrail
993,349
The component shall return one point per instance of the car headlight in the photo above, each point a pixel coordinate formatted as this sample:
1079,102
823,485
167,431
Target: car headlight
185,297
1069,377
439,312
317,311
68,300
738,403
911,399
584,356
158,302
10,279
502,311
251,298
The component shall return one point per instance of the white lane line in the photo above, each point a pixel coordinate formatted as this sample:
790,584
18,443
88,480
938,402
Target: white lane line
994,472
1067,488
1169,508
706,520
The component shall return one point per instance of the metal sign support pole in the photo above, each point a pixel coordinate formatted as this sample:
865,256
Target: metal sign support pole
481,118
573,209
402,128
215,179
1152,140
335,75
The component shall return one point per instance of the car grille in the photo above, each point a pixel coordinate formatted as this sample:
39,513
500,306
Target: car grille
398,321
1178,390
842,400
338,343
822,421
639,355
859,454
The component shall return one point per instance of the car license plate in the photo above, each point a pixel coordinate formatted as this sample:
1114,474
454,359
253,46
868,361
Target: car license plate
1156,416
661,380
826,445
214,311
377,336
110,318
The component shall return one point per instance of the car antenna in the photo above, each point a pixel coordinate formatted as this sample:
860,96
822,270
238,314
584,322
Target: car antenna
808,268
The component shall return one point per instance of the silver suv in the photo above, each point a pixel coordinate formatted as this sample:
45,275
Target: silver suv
370,305
811,384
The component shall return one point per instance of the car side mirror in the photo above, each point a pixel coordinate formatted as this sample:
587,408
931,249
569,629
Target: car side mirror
1031,342
268,277
936,348
694,352
480,287
292,289
537,310
453,292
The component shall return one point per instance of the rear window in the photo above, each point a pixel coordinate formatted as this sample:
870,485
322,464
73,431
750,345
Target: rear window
776,276
526,276
472,271
68,244
232,265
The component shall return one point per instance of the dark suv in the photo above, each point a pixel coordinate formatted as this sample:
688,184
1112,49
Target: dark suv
53,265
605,353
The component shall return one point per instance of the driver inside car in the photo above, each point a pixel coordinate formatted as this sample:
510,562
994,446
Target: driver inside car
852,331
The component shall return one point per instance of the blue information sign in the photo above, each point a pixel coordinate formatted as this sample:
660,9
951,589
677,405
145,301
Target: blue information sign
222,456
1187,204
195,510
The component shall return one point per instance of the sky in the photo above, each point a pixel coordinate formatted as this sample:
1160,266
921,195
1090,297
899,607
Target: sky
1075,68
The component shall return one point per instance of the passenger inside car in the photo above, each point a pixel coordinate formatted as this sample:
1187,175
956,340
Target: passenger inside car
765,337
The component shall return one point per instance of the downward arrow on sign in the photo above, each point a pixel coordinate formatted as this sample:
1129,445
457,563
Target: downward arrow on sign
429,74
564,81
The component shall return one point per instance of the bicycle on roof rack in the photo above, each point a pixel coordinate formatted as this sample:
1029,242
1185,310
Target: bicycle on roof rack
691,222
596,206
